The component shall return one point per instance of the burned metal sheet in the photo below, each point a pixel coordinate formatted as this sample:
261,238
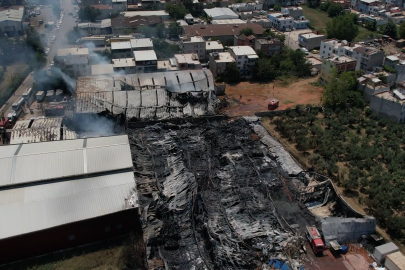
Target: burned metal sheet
206,194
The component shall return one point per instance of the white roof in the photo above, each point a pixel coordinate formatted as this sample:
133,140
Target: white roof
192,39
141,42
189,58
218,13
122,45
102,69
369,1
123,62
15,13
148,55
33,162
224,57
242,50
213,45
72,51
99,24
146,13
117,1
392,58
34,208
229,21
311,35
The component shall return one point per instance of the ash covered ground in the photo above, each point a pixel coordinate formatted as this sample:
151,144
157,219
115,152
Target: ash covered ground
214,196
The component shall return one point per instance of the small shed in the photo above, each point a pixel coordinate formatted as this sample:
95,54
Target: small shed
40,96
382,251
400,43
395,261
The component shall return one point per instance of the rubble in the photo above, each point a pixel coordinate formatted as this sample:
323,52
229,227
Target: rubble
206,195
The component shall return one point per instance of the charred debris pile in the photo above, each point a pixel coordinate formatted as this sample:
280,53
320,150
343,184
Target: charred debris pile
206,196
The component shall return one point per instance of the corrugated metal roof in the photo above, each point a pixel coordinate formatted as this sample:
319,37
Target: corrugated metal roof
39,207
27,163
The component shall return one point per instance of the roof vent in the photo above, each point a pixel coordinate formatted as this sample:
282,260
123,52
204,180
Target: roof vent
236,26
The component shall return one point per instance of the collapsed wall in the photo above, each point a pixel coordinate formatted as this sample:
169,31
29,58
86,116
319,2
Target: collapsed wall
206,194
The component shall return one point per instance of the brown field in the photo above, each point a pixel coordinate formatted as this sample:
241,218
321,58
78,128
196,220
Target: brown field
11,72
256,96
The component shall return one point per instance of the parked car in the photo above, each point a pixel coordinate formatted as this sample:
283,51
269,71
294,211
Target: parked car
304,50
315,51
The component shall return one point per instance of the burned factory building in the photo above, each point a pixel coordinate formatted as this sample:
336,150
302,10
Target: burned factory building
206,196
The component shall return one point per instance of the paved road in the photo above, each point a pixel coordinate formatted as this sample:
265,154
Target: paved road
67,24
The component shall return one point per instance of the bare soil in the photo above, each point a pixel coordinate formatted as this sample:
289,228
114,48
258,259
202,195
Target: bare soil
247,98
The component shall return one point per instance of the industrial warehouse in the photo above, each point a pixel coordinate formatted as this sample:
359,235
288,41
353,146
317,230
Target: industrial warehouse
63,194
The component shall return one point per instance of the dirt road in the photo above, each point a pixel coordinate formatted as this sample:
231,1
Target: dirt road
246,98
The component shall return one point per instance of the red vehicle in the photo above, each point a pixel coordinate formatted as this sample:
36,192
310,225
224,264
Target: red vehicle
273,104
315,239
4,124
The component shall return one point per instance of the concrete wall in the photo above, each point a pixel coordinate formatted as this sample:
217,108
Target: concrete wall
387,109
368,91
11,28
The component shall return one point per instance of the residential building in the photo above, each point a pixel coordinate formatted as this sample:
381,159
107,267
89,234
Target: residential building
193,44
295,12
243,7
397,61
243,40
121,49
261,20
224,32
280,21
148,13
371,84
219,61
368,57
367,6
311,40
145,61
124,49
213,46
341,63
124,65
301,23
74,61
121,24
269,46
102,27
378,20
105,11
187,61
167,65
314,62
397,16
11,20
245,58
389,105
220,13
141,44
119,5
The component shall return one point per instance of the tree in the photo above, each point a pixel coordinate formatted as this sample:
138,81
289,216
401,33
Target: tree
174,29
342,28
231,73
390,29
313,3
401,30
246,32
342,89
334,10
89,13
372,26
265,69
277,7
175,11
324,6
160,30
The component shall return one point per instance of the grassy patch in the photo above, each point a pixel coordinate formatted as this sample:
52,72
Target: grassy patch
318,20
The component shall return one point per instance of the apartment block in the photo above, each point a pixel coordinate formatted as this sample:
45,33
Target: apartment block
74,61
245,58
341,63
193,44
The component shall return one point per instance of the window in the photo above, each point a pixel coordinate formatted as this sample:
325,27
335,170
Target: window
107,228
118,226
71,237
239,57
